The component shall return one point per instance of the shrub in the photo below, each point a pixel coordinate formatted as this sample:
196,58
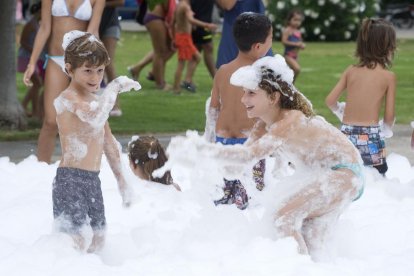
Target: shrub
330,20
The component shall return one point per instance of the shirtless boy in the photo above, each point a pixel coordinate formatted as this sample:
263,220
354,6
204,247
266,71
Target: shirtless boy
84,136
226,115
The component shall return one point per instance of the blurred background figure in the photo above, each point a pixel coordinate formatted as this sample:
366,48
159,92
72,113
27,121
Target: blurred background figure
58,18
158,21
27,38
203,37
110,33
292,40
227,50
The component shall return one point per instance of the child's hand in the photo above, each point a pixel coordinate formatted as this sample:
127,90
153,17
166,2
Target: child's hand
211,26
126,194
302,45
339,110
126,84
28,75
386,129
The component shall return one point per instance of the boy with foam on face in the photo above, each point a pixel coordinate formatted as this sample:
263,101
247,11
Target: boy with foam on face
84,136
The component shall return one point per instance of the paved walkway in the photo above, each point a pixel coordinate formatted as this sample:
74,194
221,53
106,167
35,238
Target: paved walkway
19,150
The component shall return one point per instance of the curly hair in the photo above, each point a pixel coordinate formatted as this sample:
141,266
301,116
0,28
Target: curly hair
88,50
290,97
376,43
148,153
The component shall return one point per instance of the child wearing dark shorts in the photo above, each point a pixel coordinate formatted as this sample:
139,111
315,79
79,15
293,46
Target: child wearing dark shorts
84,133
77,195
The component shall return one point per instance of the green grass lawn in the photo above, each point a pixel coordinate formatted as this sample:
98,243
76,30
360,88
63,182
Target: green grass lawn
154,111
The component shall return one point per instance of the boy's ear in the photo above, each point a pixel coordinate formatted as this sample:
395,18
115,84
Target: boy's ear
68,68
256,46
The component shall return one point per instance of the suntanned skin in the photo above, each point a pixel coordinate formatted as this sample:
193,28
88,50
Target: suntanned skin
92,138
183,23
184,19
51,32
232,121
361,84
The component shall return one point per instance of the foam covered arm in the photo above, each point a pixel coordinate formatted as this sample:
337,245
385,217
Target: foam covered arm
386,129
338,109
112,150
211,120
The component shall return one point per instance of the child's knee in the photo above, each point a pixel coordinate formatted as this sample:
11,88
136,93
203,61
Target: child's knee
284,224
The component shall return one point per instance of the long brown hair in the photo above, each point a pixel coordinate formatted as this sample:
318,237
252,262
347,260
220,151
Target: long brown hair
376,43
148,153
290,97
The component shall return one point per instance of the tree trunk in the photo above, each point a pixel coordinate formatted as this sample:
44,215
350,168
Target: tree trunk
12,116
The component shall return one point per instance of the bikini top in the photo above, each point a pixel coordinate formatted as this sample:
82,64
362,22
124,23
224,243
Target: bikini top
83,12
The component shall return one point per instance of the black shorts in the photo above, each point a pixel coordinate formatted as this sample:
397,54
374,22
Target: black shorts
76,196
201,36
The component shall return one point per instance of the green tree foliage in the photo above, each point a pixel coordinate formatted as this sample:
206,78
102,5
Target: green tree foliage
153,3
330,20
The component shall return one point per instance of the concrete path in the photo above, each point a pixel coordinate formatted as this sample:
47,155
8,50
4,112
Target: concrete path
19,150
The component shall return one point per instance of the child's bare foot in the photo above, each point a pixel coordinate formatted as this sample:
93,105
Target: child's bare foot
134,75
165,87
79,242
97,244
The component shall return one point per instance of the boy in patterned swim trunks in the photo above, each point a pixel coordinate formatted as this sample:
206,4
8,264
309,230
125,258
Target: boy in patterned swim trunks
84,136
183,21
368,84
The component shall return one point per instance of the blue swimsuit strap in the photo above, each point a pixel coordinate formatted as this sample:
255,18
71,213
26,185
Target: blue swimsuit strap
357,170
47,60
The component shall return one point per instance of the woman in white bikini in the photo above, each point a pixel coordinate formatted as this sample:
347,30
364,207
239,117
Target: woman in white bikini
58,18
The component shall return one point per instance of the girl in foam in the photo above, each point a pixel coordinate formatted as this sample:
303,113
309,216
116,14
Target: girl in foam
58,18
327,167
146,155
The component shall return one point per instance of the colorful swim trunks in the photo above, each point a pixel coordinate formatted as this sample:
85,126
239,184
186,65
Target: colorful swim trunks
368,141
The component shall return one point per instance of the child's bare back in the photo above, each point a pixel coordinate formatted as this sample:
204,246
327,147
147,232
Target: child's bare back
363,83
232,121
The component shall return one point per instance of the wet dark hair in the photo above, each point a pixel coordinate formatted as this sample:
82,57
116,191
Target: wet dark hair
88,50
376,43
290,97
291,14
148,153
35,7
250,28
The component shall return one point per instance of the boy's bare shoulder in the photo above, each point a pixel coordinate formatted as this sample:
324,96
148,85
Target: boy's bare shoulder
224,71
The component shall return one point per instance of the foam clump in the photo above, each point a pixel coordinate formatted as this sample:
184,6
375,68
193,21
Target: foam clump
71,36
250,76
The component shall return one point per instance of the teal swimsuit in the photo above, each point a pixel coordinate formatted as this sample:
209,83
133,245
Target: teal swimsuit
357,170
